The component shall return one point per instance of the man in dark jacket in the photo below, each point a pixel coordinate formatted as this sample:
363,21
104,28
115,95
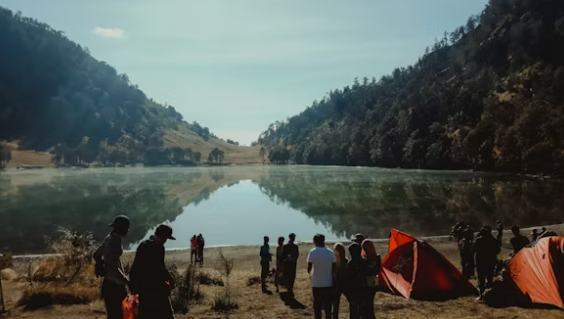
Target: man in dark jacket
150,278
486,248
291,253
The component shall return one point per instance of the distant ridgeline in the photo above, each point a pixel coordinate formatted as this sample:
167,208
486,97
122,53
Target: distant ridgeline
55,96
488,96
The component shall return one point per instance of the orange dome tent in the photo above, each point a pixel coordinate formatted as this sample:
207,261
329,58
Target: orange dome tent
415,269
538,272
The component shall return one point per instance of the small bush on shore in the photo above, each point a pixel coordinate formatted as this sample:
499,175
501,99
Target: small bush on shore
187,289
208,279
224,302
44,295
66,278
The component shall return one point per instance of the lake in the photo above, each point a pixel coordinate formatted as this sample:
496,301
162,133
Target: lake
239,205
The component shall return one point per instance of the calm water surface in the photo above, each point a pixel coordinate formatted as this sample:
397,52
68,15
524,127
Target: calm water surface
239,205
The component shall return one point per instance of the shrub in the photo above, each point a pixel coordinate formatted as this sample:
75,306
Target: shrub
208,279
45,294
66,278
187,287
224,302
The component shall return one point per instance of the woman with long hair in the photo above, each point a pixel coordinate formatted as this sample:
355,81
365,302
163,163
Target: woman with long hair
373,268
340,279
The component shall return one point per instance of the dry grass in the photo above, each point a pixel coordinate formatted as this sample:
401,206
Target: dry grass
255,304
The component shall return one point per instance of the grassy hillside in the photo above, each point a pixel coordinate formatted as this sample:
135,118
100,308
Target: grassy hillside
485,96
55,97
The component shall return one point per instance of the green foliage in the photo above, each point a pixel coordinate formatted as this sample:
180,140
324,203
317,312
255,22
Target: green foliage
54,94
486,96
216,155
232,142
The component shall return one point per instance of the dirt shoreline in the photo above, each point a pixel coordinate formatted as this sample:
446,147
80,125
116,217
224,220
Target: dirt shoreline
255,304
558,228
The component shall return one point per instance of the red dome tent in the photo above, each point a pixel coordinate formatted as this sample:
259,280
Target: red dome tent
416,270
538,272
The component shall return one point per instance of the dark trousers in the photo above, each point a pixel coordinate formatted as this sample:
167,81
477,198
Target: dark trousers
201,255
193,255
155,306
354,296
113,295
264,265
367,304
337,292
485,277
278,274
290,277
322,299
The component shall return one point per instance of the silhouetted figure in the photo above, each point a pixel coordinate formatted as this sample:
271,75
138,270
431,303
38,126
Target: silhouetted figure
358,238
193,249
534,234
518,241
108,265
373,263
357,268
279,263
265,259
201,245
468,264
291,254
485,248
340,279
322,262
150,278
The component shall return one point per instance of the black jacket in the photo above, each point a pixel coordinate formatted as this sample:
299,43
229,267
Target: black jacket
148,272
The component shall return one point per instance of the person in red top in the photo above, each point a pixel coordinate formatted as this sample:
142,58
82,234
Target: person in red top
193,249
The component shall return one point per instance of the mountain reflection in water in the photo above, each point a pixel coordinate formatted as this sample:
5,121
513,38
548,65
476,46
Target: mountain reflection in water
338,201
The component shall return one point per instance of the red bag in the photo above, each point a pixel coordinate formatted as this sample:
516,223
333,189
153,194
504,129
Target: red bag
130,306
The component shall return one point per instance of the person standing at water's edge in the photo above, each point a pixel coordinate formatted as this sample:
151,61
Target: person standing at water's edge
291,253
323,263
193,249
265,259
201,243
279,262
150,278
108,265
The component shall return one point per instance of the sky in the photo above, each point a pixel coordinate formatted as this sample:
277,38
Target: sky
236,66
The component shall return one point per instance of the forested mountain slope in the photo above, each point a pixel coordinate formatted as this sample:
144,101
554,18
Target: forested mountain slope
488,96
54,96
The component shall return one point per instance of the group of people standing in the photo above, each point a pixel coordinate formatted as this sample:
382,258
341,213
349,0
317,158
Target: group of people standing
197,244
332,274
149,277
479,254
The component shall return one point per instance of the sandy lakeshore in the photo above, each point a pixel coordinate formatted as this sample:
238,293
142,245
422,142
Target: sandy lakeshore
255,304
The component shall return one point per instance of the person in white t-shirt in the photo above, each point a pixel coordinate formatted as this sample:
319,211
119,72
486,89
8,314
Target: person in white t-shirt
322,262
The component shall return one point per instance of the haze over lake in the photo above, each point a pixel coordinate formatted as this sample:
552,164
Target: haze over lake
239,205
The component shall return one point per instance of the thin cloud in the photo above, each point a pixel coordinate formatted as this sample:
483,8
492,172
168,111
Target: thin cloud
109,33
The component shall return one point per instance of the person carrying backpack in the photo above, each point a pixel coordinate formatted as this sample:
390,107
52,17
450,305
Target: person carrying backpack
108,265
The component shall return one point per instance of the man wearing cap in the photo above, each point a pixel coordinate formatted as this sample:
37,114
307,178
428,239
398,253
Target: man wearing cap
291,253
150,278
108,265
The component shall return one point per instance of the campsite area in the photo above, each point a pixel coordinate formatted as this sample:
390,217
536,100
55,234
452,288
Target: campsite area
255,304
